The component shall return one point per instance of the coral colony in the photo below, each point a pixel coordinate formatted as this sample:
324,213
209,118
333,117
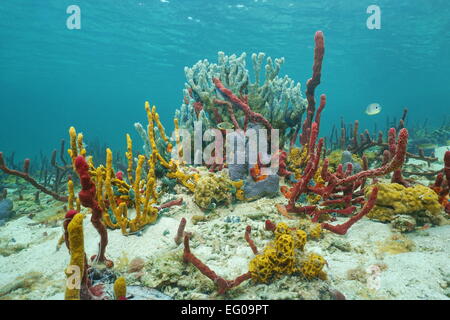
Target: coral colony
360,175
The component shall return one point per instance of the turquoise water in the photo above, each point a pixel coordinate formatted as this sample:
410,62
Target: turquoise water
97,78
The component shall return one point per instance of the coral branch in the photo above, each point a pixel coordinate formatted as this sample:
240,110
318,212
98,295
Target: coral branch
311,85
395,163
253,116
269,225
249,240
87,199
230,111
222,284
343,228
25,175
180,232
447,177
172,203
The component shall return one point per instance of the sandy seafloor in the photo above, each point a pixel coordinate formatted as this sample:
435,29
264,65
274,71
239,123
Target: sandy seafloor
413,265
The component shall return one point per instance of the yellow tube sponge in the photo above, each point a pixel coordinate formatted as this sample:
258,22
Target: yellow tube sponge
75,270
71,197
73,151
129,156
120,288
177,139
394,199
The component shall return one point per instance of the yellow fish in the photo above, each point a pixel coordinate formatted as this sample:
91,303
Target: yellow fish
225,125
373,109
427,146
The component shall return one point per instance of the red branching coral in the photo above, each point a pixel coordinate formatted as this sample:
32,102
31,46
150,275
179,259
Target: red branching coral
311,85
249,240
180,232
251,115
87,199
340,188
447,176
343,228
442,183
222,284
168,204
282,167
341,182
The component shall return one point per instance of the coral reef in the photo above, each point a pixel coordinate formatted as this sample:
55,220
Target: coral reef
325,193
222,96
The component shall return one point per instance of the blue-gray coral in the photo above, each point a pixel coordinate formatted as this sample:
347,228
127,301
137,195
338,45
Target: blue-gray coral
6,210
264,188
278,99
346,158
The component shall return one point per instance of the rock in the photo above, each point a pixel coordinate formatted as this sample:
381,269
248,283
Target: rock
6,209
144,293
404,223
21,282
136,265
264,188
342,245
347,157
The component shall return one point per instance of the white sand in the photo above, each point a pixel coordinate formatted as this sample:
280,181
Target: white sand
423,273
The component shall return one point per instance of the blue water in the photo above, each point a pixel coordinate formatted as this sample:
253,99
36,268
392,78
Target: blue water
129,51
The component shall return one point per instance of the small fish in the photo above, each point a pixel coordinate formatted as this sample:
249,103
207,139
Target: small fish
373,109
427,146
282,209
225,125
426,226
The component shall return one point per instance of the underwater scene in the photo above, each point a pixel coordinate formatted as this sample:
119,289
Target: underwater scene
224,150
